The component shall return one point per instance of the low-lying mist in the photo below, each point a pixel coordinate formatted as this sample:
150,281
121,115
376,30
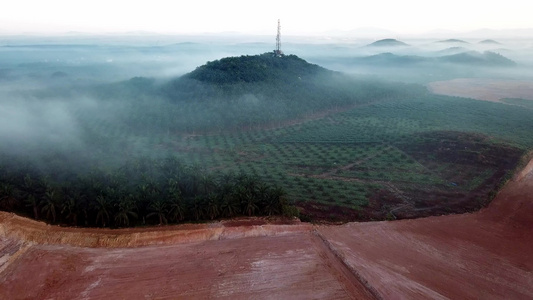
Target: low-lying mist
51,90
46,87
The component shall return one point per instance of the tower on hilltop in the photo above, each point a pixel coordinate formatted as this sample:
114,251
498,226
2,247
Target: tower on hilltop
278,51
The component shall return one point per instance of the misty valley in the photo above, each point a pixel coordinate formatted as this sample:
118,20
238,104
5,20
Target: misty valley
134,131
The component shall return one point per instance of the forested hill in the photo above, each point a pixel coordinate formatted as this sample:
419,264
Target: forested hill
255,68
260,89
288,79
264,76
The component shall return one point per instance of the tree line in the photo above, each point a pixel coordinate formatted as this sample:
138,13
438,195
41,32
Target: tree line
143,192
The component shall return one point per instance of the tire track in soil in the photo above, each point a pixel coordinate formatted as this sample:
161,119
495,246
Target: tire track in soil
355,285
14,256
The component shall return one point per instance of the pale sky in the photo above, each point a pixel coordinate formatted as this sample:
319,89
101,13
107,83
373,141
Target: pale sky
260,17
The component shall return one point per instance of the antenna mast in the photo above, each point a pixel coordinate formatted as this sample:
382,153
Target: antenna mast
278,51
278,38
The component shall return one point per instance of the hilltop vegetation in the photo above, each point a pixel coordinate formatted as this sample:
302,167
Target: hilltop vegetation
255,68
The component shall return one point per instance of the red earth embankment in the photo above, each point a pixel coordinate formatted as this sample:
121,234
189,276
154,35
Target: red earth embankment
482,255
41,233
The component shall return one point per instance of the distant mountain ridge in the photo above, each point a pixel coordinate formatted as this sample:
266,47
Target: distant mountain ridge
473,58
453,41
486,58
388,43
489,42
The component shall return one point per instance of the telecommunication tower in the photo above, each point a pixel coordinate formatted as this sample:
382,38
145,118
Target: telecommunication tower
278,51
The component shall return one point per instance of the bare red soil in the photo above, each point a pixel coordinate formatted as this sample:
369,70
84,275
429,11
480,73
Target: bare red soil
484,89
482,255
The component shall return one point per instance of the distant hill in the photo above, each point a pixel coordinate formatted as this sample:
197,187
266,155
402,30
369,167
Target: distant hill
452,50
489,42
257,89
473,58
391,59
387,43
267,78
486,58
453,41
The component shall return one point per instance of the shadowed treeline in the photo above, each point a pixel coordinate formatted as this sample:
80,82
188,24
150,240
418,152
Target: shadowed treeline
142,192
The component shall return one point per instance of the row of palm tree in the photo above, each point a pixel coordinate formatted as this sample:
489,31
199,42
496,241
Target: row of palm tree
143,192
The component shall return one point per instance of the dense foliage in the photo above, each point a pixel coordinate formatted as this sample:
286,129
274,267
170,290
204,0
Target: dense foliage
255,68
144,191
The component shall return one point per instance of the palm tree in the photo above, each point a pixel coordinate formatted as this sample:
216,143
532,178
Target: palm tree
171,166
229,206
250,183
197,208
50,201
148,192
159,208
126,209
247,200
212,206
74,204
70,209
103,208
192,181
7,196
173,186
263,194
31,193
274,201
207,183
177,210
33,202
250,206
175,201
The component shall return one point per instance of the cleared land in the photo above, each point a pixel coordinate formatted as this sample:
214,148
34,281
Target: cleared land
484,89
485,255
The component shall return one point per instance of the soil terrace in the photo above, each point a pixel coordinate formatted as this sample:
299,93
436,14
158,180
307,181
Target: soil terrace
482,255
